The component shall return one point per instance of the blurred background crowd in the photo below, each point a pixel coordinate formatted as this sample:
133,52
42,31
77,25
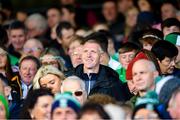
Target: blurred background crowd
89,60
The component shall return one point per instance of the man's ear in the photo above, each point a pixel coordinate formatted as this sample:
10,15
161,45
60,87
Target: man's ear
59,40
7,90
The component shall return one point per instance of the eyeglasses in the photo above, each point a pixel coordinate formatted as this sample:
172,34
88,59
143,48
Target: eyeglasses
31,49
78,93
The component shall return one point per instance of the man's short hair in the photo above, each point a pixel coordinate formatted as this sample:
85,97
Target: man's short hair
69,7
162,49
170,22
29,57
17,25
61,26
100,39
128,47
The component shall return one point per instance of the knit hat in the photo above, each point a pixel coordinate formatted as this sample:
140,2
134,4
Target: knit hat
166,87
65,100
174,38
139,56
5,103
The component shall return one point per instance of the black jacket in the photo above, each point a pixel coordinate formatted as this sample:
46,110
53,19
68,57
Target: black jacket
107,83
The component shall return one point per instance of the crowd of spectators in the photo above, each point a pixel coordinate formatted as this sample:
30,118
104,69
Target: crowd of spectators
73,64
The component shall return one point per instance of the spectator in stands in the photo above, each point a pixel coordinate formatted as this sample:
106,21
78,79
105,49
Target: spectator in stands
126,53
36,25
22,83
170,25
95,75
75,85
174,105
93,111
115,24
17,36
168,10
68,14
165,53
53,17
37,105
4,114
33,47
48,77
144,74
5,66
65,107
150,37
51,56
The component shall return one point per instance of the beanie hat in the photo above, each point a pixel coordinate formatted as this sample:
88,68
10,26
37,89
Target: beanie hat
166,87
65,100
174,38
5,103
139,56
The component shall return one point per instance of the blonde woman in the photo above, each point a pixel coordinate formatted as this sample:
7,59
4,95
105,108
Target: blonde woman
48,77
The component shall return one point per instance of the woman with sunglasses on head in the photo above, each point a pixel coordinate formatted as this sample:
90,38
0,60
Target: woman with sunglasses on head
76,86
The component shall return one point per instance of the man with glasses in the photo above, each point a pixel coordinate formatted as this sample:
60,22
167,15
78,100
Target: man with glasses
166,54
75,85
33,47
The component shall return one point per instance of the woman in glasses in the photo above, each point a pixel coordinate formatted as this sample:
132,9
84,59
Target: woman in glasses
75,85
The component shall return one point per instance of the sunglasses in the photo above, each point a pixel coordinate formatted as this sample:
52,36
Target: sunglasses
78,93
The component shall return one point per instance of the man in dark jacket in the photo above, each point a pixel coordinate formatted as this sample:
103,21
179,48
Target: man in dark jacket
99,78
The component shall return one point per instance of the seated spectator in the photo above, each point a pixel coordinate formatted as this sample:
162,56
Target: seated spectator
150,37
51,56
93,111
5,66
4,108
65,107
36,25
37,105
126,53
22,82
170,25
101,99
174,39
75,85
48,77
168,10
33,47
17,37
166,54
146,108
174,105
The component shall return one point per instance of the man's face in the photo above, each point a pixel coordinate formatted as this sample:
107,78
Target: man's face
143,75
66,15
171,29
17,38
167,65
64,114
53,17
76,56
125,58
67,35
28,69
32,48
167,11
109,11
91,55
174,110
76,89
